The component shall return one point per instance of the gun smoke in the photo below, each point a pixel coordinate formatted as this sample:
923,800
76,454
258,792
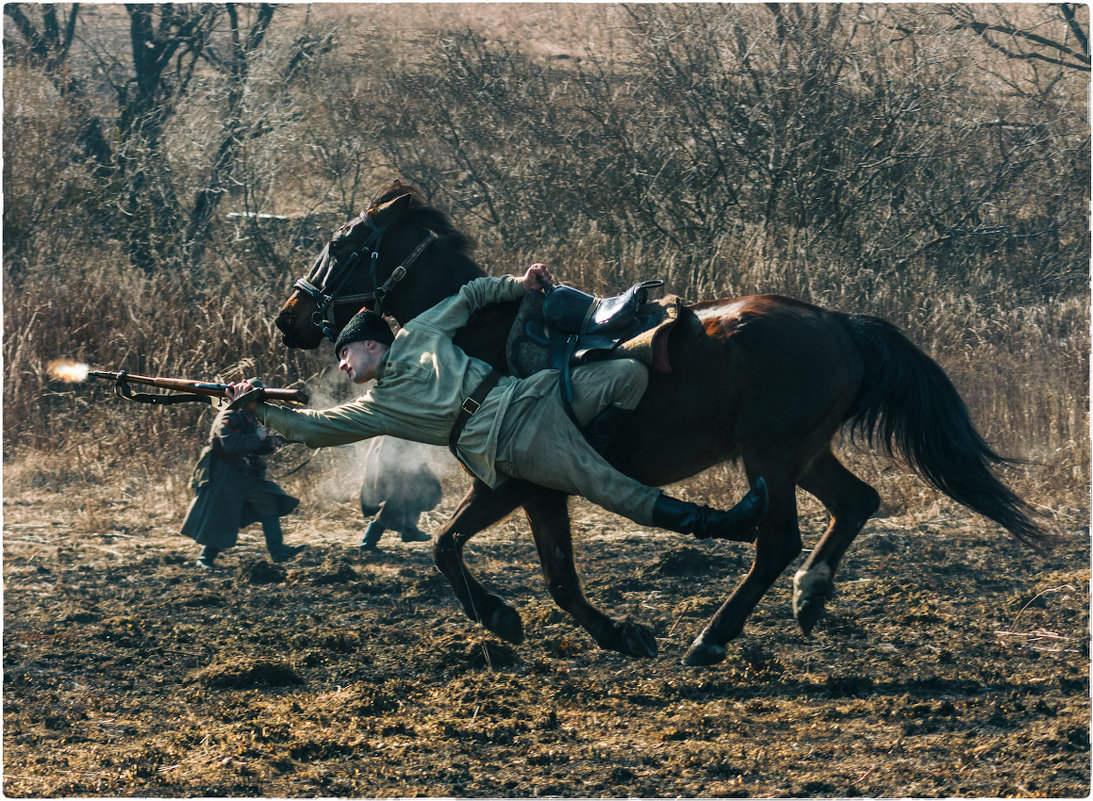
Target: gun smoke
346,466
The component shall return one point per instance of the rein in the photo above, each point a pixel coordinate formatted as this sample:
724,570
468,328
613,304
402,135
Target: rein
327,297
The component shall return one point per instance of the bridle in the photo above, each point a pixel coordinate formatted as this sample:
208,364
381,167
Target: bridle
326,297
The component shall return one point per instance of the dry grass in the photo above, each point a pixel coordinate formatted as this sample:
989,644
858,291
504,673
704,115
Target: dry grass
953,661
1017,349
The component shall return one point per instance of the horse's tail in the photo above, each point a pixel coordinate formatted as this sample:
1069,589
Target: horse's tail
907,403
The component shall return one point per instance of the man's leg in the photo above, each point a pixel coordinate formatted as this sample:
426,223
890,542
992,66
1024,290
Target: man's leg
401,512
265,508
614,383
275,544
605,395
538,442
399,515
207,559
371,539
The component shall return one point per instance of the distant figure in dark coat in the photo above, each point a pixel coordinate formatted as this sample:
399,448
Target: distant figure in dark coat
233,491
398,485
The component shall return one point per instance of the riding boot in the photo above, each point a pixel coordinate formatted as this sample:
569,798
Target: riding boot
370,542
604,428
278,551
207,559
415,535
737,524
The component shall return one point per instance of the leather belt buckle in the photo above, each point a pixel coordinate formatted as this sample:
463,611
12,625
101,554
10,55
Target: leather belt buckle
470,405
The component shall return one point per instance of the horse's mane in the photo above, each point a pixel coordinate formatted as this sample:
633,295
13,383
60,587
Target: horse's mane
458,244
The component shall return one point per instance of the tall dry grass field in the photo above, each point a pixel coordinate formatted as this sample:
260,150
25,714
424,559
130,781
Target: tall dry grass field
870,159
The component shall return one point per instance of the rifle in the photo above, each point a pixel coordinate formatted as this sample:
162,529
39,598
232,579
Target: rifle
191,391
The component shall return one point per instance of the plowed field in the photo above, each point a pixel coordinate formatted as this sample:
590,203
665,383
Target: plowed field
953,662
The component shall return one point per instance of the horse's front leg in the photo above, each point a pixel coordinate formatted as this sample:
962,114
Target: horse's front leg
548,514
480,508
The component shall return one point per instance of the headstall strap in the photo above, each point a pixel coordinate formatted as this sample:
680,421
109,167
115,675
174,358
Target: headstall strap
326,298
399,272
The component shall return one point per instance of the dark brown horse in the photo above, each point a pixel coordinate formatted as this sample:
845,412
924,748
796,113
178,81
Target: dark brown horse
767,380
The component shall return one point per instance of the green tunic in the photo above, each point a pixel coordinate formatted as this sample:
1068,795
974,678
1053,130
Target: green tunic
424,378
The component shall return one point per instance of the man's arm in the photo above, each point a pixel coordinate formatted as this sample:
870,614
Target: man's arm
340,425
453,313
234,440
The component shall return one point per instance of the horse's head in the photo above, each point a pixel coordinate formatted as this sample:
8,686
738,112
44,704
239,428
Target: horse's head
399,257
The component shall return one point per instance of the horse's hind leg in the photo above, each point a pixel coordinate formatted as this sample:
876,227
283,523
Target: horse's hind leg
480,508
548,513
850,501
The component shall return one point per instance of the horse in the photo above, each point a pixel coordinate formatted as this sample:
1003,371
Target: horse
765,380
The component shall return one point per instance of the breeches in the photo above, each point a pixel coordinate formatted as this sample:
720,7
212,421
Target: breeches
539,442
616,382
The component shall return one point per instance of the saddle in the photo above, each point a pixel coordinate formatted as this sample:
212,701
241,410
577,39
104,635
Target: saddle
565,327
575,312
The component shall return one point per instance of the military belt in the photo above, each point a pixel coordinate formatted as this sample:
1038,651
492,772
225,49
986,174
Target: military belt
471,404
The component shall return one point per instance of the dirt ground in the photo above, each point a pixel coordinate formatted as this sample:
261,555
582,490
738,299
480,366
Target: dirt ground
953,662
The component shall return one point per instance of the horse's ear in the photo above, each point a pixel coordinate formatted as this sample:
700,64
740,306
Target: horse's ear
387,213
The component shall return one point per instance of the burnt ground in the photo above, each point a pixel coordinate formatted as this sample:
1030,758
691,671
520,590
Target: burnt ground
953,662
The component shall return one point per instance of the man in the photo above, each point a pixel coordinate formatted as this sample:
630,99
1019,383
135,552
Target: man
428,390
232,488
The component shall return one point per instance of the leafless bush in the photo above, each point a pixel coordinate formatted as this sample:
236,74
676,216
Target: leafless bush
898,160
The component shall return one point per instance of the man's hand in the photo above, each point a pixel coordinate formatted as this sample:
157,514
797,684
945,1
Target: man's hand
538,277
271,438
237,390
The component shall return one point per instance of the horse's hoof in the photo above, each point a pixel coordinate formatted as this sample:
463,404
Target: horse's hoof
701,654
811,591
808,614
505,622
635,640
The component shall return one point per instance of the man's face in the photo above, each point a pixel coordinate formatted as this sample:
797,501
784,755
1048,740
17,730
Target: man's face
359,360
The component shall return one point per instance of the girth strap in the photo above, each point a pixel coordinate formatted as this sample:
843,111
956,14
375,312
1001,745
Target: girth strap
470,406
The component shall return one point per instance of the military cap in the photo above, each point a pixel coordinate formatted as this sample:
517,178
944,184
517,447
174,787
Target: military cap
364,325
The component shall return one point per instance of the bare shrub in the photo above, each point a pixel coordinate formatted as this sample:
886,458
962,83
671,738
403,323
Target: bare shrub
885,159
